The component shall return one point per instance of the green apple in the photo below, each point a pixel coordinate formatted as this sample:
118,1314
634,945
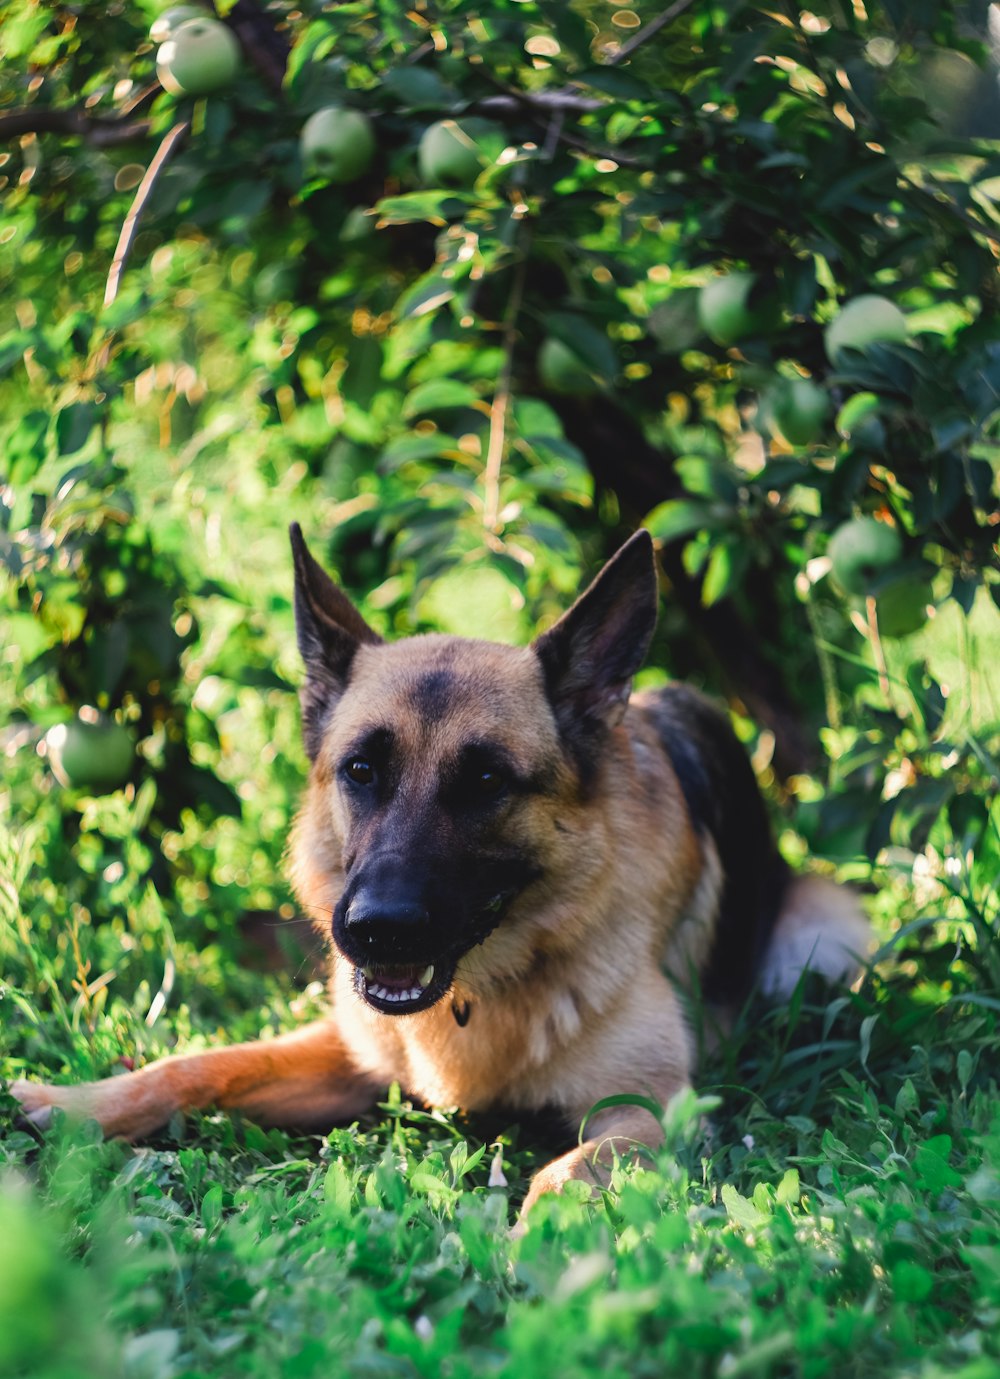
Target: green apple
199,57
450,152
337,144
727,313
901,605
164,24
562,370
93,753
674,324
861,551
864,321
798,408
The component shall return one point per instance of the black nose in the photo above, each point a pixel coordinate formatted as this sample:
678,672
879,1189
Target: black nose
386,915
383,922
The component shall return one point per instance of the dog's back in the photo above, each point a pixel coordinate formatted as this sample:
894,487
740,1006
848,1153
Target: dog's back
764,924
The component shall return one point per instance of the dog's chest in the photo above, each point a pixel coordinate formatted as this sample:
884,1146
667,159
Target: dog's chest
511,1049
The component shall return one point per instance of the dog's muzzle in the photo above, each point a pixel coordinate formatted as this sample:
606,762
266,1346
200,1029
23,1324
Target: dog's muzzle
384,928
404,932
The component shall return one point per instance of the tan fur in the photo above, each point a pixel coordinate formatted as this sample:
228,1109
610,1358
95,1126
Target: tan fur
556,1016
568,998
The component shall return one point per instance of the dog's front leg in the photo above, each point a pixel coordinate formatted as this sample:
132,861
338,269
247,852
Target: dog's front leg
620,1133
303,1079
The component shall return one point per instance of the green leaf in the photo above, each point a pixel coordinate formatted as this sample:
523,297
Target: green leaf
534,418
741,1211
707,477
426,295
338,1188
26,632
678,517
586,341
906,1099
152,1354
440,394
431,1185
418,88
788,1190
74,425
435,206
727,565
314,44
211,1207
911,1282
12,349
934,1173
412,449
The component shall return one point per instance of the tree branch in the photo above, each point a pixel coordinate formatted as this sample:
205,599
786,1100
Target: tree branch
553,106
548,102
101,130
653,27
130,227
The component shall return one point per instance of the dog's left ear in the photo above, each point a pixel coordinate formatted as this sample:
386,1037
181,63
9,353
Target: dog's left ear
329,629
590,655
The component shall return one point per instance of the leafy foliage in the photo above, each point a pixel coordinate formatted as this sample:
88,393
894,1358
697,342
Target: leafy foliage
470,391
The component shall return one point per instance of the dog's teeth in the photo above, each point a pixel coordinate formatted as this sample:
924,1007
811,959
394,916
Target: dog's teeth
397,997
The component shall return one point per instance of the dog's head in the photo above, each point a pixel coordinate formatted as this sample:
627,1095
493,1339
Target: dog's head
441,768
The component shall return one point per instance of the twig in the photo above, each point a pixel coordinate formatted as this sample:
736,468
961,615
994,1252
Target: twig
100,130
653,27
501,403
878,653
130,226
555,106
144,94
613,155
563,102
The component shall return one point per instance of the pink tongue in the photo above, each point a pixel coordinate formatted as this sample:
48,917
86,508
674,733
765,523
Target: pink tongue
399,979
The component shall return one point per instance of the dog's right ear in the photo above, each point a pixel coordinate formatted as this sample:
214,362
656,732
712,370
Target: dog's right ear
330,630
590,655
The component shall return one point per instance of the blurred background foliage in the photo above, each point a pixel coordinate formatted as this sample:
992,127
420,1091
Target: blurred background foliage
469,381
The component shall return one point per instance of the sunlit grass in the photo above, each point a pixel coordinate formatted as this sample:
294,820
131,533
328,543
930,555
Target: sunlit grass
833,1209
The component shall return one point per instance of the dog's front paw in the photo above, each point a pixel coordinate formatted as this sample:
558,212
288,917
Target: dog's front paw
83,1101
575,1167
37,1101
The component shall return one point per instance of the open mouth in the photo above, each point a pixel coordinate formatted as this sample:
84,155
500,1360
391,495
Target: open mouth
401,989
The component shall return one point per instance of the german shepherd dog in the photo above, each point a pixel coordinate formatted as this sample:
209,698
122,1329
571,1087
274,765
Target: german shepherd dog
522,861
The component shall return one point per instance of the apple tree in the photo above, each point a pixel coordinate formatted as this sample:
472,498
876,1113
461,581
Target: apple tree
471,288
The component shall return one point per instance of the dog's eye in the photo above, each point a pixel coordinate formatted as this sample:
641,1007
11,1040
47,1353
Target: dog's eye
359,771
488,784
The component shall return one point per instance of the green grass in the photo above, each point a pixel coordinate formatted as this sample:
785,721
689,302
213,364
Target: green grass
830,1207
